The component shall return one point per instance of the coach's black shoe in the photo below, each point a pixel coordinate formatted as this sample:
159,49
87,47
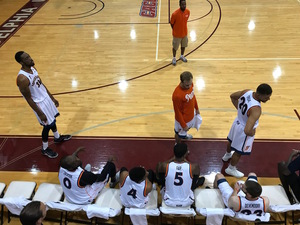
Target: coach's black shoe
50,153
62,138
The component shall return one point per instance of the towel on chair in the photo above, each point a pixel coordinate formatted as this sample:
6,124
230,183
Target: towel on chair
14,205
96,211
284,208
138,216
214,216
65,206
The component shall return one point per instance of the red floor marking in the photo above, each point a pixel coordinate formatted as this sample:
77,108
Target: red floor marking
23,153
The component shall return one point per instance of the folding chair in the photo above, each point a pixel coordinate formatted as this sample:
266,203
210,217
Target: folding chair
150,209
279,202
209,203
15,195
2,187
108,204
48,192
187,212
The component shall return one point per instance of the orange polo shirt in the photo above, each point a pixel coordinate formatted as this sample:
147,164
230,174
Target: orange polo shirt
184,104
179,22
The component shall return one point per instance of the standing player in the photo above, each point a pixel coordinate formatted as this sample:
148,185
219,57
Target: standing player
178,23
40,100
185,106
241,134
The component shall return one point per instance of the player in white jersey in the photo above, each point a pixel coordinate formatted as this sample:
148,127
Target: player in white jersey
248,203
241,135
180,178
40,100
79,185
135,186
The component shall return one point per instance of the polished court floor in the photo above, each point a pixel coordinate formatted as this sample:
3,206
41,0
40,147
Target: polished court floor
110,68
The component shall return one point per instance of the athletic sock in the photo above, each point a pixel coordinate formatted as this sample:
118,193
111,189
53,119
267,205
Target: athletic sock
231,167
45,145
56,134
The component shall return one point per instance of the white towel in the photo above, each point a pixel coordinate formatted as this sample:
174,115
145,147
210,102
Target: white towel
15,205
178,211
214,216
198,121
135,211
139,219
226,212
284,208
65,206
96,211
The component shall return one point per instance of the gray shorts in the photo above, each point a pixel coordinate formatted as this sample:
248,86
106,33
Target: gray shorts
183,41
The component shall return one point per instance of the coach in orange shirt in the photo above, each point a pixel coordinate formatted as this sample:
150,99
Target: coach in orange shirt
178,23
185,107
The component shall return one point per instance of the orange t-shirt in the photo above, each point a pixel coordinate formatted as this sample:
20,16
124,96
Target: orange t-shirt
179,22
184,103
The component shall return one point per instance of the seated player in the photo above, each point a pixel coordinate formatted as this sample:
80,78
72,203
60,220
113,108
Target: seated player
251,203
135,186
179,178
81,186
288,176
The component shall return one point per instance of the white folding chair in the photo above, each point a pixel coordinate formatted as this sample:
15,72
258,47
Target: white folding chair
187,212
279,202
150,209
48,192
15,194
2,187
107,204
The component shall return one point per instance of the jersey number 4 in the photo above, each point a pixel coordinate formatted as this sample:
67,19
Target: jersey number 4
132,193
243,106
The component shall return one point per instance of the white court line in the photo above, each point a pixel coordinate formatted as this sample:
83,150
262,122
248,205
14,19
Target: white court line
157,36
237,59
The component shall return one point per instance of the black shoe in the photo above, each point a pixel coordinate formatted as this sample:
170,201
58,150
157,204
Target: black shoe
62,138
50,153
200,181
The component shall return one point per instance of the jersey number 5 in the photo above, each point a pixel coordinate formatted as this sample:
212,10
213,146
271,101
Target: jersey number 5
178,181
243,106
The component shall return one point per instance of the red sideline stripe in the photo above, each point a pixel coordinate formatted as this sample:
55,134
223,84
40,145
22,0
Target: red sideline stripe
17,20
297,114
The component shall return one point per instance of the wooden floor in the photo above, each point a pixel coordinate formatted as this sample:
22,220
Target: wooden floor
110,68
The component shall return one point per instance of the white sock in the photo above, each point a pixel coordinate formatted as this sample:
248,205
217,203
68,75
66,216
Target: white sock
56,134
45,145
231,167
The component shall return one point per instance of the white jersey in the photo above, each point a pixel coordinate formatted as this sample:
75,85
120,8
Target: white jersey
246,101
178,183
37,89
252,207
75,193
133,194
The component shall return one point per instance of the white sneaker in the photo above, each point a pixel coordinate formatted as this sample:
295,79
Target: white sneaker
88,167
227,156
183,59
174,61
188,137
234,172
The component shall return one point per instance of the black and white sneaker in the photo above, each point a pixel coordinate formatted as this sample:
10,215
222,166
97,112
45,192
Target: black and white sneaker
62,138
50,153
